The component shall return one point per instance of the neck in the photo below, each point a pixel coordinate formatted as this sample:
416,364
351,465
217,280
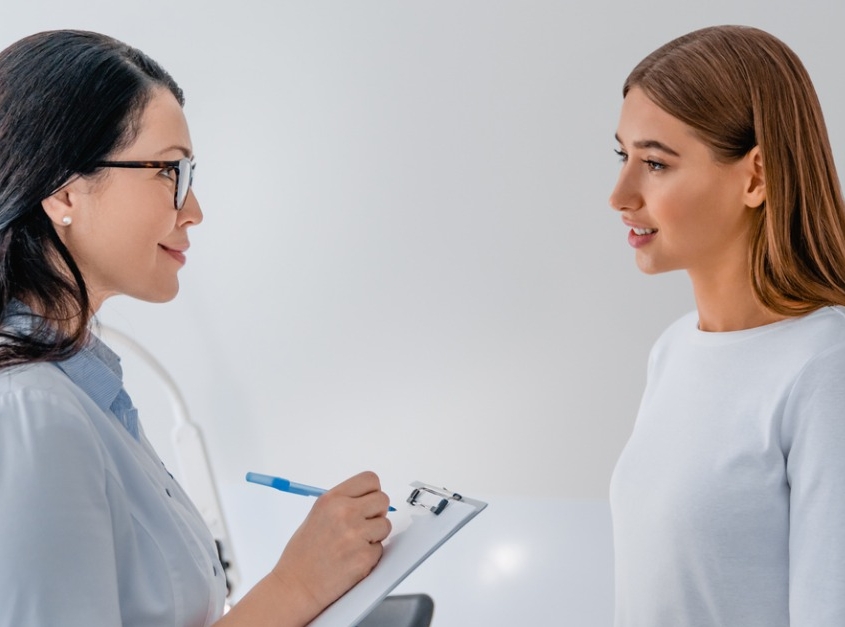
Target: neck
726,302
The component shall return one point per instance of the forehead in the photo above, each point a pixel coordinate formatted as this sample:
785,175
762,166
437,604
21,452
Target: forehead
642,120
162,130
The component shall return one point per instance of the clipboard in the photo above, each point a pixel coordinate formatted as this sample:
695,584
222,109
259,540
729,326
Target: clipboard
427,518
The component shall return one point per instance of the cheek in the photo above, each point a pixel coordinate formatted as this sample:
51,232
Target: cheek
128,243
685,205
144,225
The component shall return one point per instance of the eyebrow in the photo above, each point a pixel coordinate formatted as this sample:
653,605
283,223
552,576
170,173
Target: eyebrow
643,144
178,147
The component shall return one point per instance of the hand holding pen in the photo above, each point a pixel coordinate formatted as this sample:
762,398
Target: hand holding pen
339,542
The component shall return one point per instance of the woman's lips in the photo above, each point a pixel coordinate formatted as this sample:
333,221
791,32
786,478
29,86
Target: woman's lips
177,254
638,237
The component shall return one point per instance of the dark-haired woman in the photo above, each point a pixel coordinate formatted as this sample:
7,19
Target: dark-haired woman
96,164
729,499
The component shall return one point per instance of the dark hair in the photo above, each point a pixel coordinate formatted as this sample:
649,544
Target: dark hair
739,87
67,100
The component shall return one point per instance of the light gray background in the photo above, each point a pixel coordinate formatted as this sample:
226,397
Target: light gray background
408,263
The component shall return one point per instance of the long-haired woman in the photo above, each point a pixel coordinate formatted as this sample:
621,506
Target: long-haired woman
728,500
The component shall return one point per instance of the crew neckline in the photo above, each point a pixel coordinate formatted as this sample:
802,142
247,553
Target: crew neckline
716,338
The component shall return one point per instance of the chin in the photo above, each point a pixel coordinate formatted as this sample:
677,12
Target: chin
651,266
158,294
647,268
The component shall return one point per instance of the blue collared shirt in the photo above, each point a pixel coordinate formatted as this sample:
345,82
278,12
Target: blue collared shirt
93,529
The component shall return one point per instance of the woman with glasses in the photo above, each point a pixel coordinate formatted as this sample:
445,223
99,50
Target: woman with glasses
728,500
96,164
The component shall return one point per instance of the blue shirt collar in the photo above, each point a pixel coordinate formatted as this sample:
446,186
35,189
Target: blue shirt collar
95,369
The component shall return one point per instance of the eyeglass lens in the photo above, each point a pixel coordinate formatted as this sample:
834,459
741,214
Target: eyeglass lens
185,178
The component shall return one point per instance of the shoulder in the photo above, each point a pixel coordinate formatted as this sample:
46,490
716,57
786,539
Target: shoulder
816,399
37,382
39,403
683,327
817,339
829,321
825,366
677,333
36,374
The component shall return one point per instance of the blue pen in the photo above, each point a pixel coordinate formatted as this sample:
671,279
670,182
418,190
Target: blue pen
288,486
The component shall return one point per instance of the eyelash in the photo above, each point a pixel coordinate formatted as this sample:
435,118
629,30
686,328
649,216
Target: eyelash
653,166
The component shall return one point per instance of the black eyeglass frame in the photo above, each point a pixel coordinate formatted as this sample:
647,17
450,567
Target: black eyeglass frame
183,182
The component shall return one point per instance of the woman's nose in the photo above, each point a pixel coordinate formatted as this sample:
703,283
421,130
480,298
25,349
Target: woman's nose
624,195
190,213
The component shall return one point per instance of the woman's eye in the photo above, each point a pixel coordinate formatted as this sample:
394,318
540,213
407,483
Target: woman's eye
169,172
623,156
653,165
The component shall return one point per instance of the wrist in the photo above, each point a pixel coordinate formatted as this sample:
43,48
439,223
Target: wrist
298,598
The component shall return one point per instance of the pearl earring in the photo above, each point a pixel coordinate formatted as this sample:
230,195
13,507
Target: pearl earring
67,220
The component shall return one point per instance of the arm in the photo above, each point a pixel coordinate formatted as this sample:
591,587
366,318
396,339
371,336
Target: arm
57,558
336,546
814,432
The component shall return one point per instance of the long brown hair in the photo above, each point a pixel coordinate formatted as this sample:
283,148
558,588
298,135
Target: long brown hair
740,87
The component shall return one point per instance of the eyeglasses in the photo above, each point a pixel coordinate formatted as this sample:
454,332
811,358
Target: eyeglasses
184,169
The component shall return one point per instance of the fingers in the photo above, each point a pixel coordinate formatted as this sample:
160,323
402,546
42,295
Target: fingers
377,529
339,543
358,485
365,487
359,508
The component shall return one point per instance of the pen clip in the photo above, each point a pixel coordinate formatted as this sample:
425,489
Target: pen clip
421,496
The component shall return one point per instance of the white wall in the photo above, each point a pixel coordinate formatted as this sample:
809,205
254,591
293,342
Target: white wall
408,263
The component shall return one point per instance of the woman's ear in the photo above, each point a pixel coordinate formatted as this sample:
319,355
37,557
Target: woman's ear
60,206
755,191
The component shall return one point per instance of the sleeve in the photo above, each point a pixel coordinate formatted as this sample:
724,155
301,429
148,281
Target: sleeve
57,557
814,435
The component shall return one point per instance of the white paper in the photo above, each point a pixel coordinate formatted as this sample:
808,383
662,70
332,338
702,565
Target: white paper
416,534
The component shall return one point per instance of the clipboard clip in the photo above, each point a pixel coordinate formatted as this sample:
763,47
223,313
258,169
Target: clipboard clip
433,499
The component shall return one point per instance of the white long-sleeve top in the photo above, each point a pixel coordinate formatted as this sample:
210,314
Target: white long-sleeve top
728,500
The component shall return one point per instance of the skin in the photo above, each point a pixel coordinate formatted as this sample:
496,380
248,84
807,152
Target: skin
125,235
697,210
127,238
338,545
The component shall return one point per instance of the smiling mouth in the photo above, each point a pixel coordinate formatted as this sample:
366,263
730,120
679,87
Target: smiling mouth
644,231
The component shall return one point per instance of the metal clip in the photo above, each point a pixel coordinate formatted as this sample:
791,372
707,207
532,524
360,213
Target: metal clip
421,497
